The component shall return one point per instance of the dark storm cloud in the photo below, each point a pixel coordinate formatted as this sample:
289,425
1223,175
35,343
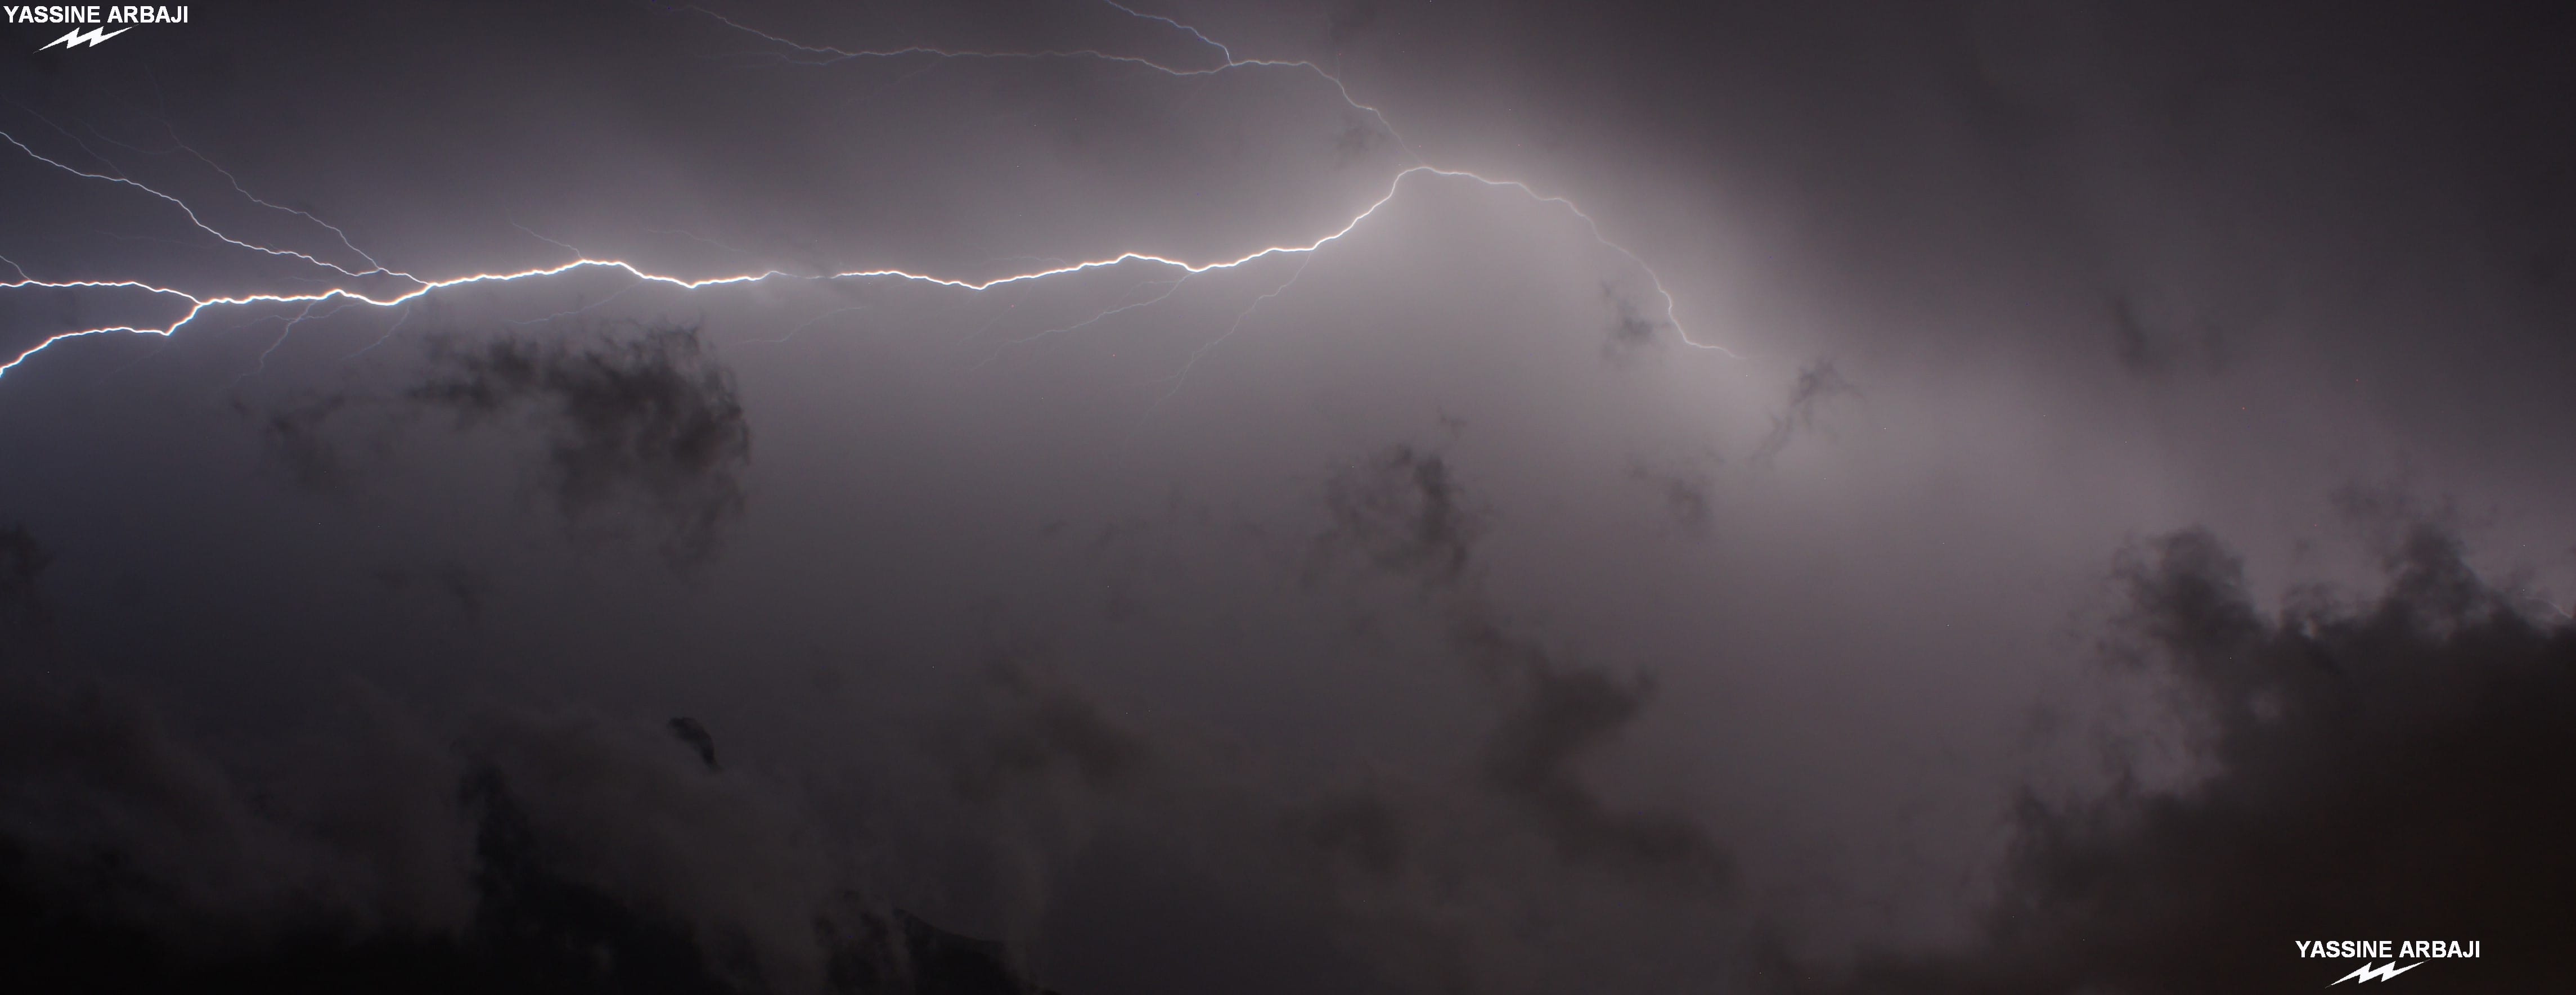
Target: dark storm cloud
2145,349
1360,140
1817,384
638,423
532,853
1404,510
116,818
2389,768
297,440
1560,715
1031,727
1407,513
459,585
22,562
1362,827
651,420
1794,174
694,733
1347,22
1688,492
1632,327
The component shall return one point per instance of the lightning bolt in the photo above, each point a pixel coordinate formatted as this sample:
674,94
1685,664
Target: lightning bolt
2373,972
375,284
77,39
1204,348
1170,287
299,319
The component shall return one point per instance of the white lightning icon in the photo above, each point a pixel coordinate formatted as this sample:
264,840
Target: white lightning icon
407,287
77,39
2373,972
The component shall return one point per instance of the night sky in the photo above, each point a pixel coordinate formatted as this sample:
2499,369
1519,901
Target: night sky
1371,496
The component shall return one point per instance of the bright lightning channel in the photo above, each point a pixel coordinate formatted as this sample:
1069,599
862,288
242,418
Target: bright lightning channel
418,286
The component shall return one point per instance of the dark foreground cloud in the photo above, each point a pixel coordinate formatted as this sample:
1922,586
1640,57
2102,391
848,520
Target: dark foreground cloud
1687,489
1816,384
2390,769
300,445
455,584
554,851
1405,510
534,853
1631,327
1560,715
650,422
21,562
1028,727
694,733
2145,347
643,431
558,850
1796,177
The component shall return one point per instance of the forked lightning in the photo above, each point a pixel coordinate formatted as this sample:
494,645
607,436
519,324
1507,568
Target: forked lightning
409,286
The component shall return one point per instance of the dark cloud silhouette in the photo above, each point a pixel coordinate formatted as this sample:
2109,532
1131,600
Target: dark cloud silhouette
1408,514
651,420
1686,492
1033,728
2145,348
2392,768
1816,384
1348,22
1631,328
694,734
533,854
296,440
1557,715
1942,197
457,584
1403,510
22,561
1360,139
118,824
645,426
928,960
1363,828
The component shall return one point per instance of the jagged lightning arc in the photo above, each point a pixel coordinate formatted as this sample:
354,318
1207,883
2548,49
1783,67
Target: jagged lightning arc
412,287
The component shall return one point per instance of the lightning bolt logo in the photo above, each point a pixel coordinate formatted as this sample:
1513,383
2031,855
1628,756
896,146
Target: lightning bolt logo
2374,972
374,284
77,39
